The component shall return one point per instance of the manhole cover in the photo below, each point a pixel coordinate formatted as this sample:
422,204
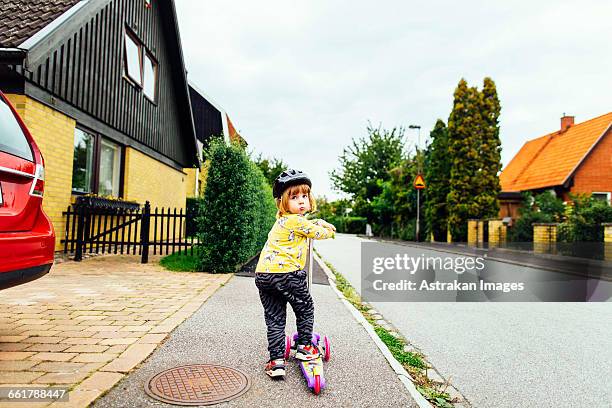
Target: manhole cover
198,384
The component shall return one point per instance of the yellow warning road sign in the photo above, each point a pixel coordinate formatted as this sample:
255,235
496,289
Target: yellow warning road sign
419,182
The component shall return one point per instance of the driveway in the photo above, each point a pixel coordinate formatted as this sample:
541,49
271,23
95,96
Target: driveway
85,325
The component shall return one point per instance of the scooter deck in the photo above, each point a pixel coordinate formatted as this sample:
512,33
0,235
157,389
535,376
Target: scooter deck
312,368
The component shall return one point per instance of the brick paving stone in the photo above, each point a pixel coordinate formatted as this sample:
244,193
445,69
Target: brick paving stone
47,347
16,365
40,333
7,377
117,348
108,328
100,381
27,327
87,348
130,358
80,340
75,334
152,338
58,367
78,398
12,339
94,357
98,316
43,340
14,355
13,346
68,327
47,356
112,342
34,321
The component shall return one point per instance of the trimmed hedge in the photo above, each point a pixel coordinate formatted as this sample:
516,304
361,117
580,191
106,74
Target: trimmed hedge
348,225
237,210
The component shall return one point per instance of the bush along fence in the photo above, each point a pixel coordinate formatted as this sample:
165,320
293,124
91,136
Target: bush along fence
236,212
548,238
98,225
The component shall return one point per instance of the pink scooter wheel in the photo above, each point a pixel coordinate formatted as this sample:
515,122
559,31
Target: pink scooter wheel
327,346
287,347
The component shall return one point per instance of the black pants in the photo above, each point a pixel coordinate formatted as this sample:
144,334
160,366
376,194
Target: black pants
275,290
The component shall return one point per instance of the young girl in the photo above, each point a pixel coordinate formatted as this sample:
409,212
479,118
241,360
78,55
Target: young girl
280,275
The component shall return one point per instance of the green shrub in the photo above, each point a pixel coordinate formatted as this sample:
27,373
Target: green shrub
355,225
584,220
237,210
544,207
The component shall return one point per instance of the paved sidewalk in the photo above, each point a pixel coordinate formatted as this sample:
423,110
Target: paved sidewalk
84,325
229,330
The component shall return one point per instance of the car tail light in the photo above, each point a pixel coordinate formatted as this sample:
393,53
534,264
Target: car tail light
38,184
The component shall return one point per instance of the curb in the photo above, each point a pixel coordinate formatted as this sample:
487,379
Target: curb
399,370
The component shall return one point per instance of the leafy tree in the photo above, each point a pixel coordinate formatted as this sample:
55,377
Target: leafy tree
365,164
394,209
270,168
437,176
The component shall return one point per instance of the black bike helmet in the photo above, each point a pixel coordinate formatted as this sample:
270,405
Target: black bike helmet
288,178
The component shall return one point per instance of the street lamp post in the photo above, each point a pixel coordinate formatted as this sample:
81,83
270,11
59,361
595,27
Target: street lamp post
418,219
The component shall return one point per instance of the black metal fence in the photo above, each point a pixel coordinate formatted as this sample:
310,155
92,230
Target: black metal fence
104,226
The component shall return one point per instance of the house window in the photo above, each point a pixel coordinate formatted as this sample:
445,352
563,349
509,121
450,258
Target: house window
602,196
150,76
133,58
110,169
140,67
82,163
97,165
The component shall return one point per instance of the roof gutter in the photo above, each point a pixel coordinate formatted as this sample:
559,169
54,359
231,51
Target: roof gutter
12,56
571,173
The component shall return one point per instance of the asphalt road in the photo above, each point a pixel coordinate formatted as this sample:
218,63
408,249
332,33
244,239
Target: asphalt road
502,354
229,330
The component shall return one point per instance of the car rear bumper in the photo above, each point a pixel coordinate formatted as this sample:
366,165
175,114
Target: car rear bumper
21,251
13,278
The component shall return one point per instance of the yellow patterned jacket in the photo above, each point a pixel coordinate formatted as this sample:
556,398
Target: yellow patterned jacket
286,249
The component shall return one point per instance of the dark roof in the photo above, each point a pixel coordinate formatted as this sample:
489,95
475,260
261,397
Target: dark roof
206,118
20,20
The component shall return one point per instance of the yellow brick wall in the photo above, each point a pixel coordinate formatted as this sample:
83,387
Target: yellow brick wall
148,179
475,231
190,182
608,233
497,232
54,135
544,233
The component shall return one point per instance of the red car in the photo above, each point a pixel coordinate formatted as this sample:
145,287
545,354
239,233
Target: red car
27,240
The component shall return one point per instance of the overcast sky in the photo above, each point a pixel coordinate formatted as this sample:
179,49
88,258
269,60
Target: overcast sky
300,79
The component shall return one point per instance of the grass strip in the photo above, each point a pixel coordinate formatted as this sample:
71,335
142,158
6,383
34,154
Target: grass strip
184,262
413,362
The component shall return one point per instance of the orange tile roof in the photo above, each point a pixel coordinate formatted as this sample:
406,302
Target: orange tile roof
548,160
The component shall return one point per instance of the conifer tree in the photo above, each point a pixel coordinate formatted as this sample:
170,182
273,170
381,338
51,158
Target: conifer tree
474,149
437,176
490,152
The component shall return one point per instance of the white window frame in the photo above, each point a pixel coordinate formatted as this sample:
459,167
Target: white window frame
607,193
130,36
